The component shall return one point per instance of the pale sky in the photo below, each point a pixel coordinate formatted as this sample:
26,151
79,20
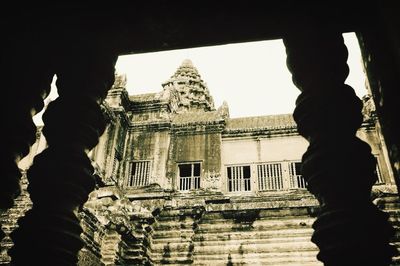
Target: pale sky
251,77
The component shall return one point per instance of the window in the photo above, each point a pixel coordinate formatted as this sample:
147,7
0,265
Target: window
296,179
239,178
139,173
270,176
189,176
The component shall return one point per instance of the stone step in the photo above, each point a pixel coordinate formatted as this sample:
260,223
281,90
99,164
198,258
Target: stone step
275,237
396,236
171,247
214,236
239,233
284,232
175,237
235,247
184,233
186,214
172,226
256,248
259,219
182,219
396,261
248,229
273,258
396,243
387,199
172,259
394,219
395,212
283,213
390,206
135,250
170,240
262,224
310,254
258,262
181,246
262,227
244,260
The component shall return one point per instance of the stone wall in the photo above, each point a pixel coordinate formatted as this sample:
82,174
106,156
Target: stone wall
148,145
207,228
204,148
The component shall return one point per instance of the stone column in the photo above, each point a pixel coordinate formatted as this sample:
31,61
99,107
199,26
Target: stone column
339,167
60,178
26,81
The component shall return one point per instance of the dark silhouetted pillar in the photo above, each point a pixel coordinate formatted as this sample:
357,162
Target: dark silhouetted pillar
26,81
338,166
60,178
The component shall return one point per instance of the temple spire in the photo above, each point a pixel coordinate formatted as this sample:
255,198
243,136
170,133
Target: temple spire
192,91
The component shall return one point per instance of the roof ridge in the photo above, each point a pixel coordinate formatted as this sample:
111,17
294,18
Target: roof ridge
256,116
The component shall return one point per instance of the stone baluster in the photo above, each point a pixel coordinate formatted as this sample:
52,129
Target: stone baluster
61,177
26,83
338,166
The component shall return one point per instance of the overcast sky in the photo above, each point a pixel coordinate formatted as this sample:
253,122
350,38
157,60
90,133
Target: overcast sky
251,77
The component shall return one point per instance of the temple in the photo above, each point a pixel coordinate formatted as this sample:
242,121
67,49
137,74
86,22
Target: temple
80,44
180,182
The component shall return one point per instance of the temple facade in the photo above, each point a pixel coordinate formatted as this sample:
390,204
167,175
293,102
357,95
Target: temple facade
180,182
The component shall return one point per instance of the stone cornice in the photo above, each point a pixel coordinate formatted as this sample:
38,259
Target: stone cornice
123,116
141,107
118,92
150,126
216,126
265,132
113,114
125,99
109,115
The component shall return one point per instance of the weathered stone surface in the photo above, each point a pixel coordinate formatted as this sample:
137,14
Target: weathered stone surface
158,224
9,218
192,91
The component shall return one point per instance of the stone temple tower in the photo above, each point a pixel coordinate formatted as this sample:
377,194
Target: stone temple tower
192,91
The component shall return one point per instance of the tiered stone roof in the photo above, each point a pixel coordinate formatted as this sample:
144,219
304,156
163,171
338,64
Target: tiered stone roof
195,118
141,98
261,122
192,90
281,124
120,81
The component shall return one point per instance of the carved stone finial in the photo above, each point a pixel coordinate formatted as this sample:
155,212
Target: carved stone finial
368,110
223,110
187,63
120,81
